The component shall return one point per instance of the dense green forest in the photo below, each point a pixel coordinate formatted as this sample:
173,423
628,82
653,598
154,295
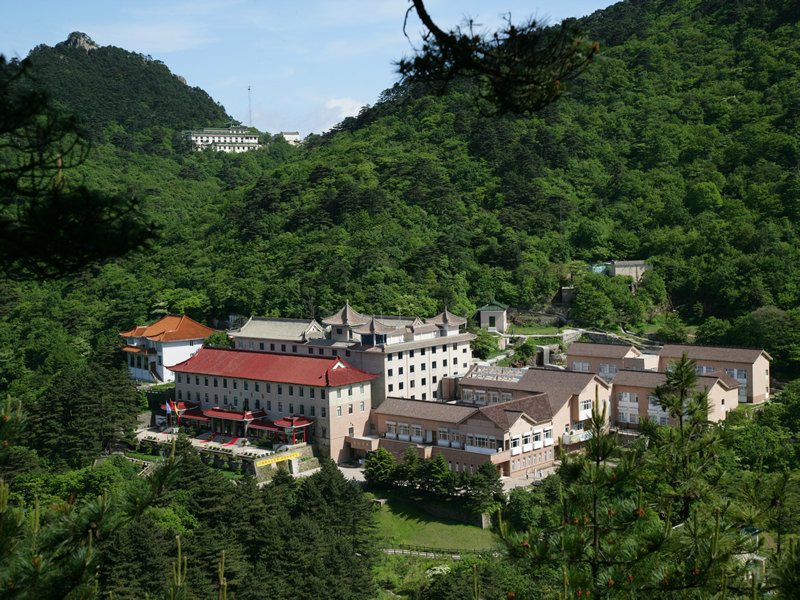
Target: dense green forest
679,145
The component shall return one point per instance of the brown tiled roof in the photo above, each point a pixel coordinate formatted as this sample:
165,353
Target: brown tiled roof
599,350
423,409
651,379
537,407
171,328
721,353
346,316
446,318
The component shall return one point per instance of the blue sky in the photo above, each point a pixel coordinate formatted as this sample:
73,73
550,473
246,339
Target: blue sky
310,63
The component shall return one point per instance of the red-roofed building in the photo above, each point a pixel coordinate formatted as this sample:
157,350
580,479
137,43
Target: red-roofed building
171,339
322,398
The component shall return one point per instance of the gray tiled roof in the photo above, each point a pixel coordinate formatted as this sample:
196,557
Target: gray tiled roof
651,379
278,329
537,407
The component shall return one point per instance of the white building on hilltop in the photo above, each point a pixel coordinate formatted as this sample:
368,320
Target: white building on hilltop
233,138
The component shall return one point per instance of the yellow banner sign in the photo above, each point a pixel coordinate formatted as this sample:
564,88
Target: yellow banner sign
274,459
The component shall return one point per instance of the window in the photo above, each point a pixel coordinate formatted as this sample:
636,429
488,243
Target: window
294,348
179,377
236,402
400,371
350,390
444,347
269,388
291,408
653,401
455,346
586,404
433,350
291,390
349,409
505,396
435,379
235,384
324,432
312,410
400,386
339,392
301,391
225,400
311,351
215,382
224,382
399,355
361,387
280,406
261,345
416,430
322,394
280,389
424,396
350,431
272,347
444,362
310,392
422,367
424,381
361,406
410,354
206,381
197,380
323,412
180,394
338,411
321,351
283,347
412,383
338,331
389,357
391,427
411,369
391,387
583,367
402,428
258,404
246,386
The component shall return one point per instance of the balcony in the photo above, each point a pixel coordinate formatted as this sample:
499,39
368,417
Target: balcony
445,443
527,447
404,438
576,438
479,450
516,451
416,439
537,445
584,414
548,441
390,436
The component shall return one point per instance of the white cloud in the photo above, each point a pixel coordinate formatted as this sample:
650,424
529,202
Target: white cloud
152,38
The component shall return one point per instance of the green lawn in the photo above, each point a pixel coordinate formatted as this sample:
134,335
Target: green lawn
404,523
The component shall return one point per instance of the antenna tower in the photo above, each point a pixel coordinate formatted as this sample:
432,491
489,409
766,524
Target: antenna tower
249,106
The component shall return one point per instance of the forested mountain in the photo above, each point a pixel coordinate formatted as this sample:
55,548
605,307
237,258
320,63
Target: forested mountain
680,145
120,95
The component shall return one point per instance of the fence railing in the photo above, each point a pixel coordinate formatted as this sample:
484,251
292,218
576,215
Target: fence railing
429,551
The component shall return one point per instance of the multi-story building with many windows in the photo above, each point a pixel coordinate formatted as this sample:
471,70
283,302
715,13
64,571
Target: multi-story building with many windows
242,393
410,356
233,138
